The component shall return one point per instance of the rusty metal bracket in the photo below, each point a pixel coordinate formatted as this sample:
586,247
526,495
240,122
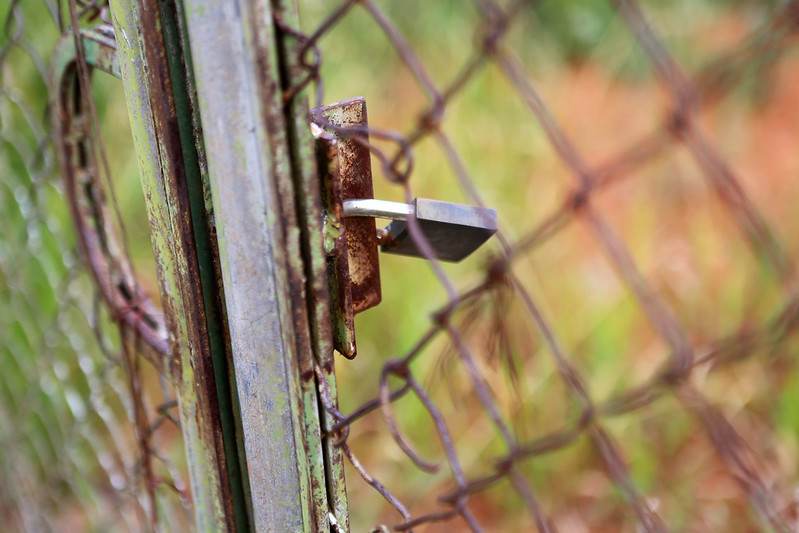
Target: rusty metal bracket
350,243
452,231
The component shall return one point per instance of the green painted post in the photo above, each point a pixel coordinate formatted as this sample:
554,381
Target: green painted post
232,194
157,85
265,196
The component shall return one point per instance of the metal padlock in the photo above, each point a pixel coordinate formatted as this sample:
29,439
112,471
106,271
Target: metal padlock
453,231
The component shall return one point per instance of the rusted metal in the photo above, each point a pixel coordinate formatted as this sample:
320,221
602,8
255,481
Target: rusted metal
163,146
98,241
248,138
176,41
355,182
351,237
350,243
254,46
336,250
674,378
310,220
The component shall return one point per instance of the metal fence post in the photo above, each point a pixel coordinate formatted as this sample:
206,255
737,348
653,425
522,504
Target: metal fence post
158,88
266,209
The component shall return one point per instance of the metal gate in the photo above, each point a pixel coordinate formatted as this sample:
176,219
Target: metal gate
617,357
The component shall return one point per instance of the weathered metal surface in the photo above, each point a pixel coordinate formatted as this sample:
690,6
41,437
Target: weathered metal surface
329,497
285,154
83,187
193,150
355,181
350,243
342,316
453,230
323,234
147,81
234,54
99,49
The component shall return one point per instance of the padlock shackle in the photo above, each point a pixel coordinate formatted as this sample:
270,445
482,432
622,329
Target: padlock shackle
377,209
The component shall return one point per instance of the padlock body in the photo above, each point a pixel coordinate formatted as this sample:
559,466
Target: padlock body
453,230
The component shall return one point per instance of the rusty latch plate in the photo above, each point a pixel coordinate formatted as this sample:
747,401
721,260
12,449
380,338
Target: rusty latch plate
351,243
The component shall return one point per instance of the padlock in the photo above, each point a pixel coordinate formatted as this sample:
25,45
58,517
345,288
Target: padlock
453,231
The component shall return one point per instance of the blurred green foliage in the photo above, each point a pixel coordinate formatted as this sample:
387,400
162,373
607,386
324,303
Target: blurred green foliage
575,29
588,69
69,458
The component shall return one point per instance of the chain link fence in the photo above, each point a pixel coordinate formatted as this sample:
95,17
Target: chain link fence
90,432
621,359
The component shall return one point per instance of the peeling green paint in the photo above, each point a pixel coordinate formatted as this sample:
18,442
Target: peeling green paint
196,175
250,176
332,229
141,56
259,192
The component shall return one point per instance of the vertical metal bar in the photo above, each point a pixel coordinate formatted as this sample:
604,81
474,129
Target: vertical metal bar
168,187
263,260
310,216
198,187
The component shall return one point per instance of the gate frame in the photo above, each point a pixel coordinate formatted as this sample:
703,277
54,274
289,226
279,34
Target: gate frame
232,193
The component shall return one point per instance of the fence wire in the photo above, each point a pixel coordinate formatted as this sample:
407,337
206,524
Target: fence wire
553,393
90,433
620,360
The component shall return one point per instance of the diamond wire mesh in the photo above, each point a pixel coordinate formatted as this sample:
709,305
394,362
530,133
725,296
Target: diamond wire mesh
621,360
78,452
